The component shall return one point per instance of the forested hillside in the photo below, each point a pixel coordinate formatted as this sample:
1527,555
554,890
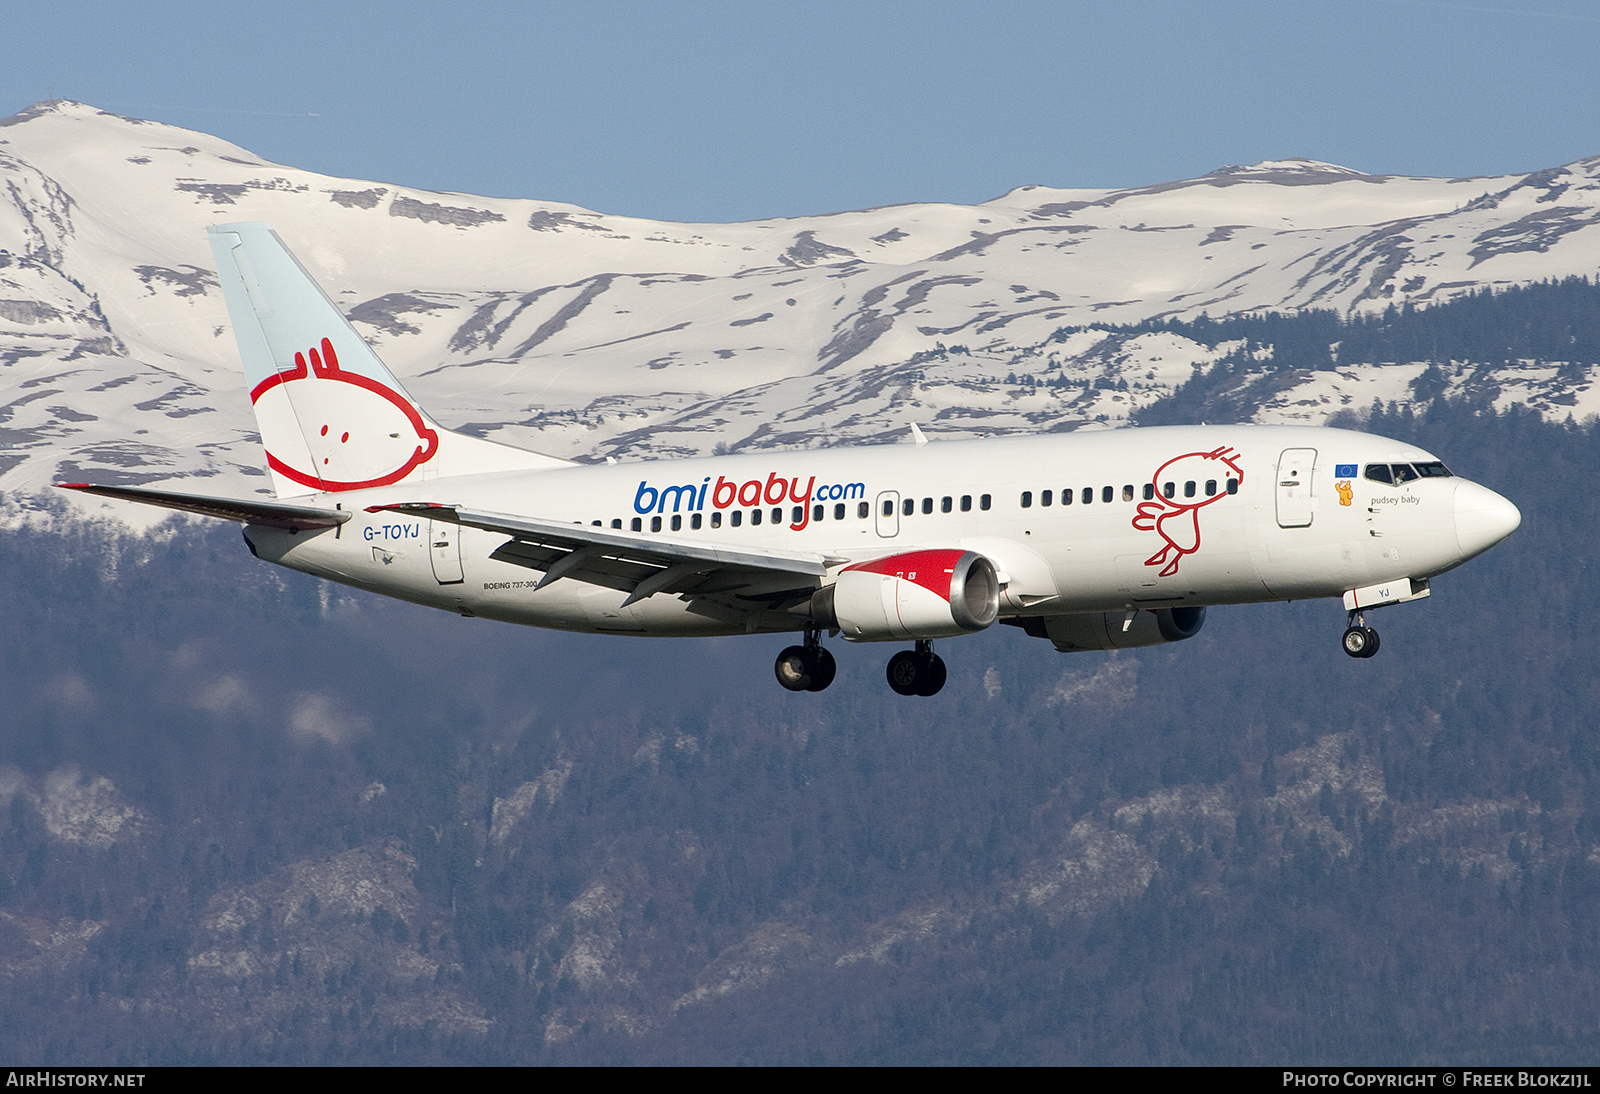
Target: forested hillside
1469,344
252,818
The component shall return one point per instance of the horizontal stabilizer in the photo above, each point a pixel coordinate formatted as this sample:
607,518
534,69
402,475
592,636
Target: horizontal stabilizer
271,514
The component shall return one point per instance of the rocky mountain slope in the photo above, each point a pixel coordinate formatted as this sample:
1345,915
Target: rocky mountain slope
584,334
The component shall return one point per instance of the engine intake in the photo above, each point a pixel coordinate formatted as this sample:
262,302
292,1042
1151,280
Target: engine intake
1104,630
919,594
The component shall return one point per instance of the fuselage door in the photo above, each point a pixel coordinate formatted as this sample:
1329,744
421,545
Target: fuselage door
887,508
1295,483
444,547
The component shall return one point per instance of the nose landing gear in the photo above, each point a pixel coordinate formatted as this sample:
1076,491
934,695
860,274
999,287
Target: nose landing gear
806,668
917,672
1359,640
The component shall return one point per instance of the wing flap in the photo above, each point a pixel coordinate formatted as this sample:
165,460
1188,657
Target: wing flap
636,563
620,574
272,514
648,548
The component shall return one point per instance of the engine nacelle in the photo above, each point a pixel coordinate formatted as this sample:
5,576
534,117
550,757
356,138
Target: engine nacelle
919,594
1105,630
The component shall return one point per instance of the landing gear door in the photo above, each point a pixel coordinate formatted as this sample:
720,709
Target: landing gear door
1295,483
444,547
887,508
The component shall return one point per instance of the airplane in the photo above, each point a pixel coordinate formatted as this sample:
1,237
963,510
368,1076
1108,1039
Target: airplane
1094,540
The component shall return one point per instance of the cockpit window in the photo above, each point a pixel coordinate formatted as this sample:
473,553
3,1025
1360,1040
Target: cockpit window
1435,470
1378,472
1403,472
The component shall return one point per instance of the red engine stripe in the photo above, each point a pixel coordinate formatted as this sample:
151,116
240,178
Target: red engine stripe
930,569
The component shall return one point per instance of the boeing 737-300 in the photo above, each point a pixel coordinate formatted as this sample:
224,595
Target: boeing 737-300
1093,540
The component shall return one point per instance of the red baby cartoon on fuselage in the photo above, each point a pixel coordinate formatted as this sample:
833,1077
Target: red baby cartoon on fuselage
357,432
1176,518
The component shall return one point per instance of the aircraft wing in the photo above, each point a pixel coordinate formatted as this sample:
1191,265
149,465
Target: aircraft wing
638,563
273,514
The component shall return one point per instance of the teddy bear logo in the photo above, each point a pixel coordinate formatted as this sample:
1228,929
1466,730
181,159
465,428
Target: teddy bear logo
1346,491
357,431
1175,518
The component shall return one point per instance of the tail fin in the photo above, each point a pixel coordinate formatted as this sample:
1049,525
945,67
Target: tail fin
331,416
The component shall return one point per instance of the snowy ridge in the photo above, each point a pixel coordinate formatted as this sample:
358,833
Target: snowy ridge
583,334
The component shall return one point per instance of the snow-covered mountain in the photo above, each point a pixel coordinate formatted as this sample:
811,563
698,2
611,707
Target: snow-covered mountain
583,334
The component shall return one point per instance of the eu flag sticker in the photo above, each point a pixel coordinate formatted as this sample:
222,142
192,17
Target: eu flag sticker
1344,470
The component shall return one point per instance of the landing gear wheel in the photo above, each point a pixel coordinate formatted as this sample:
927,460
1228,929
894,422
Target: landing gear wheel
823,669
905,673
795,670
917,672
1360,641
806,668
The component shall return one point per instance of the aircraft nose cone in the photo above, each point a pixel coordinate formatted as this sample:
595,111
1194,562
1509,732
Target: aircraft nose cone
1483,518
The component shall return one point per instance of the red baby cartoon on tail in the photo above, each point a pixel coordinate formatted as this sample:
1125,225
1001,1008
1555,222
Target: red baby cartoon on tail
1174,513
330,428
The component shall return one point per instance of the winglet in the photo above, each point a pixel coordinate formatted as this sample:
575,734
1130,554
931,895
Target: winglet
916,435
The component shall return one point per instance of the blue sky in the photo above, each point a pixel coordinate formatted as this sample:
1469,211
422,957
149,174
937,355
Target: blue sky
730,111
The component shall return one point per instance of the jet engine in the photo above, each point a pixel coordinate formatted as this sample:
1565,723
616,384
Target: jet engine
919,594
1115,630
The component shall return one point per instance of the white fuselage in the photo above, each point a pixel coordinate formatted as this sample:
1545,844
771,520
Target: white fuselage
1297,524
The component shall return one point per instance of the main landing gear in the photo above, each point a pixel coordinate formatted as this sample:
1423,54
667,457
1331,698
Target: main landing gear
917,672
808,667
1360,640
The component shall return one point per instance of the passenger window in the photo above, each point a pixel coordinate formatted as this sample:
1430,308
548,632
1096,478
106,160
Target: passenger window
1045,497
1433,470
694,522
777,517
908,506
863,510
1066,496
1169,489
716,520
637,526
1107,494
1211,488
1378,472
945,504
838,511
1149,491
818,512
983,503
617,524
1402,472
1188,489
1233,486
755,516
796,517
596,523
736,518
655,524
1127,492
1027,499
677,522
1088,494
927,506
966,503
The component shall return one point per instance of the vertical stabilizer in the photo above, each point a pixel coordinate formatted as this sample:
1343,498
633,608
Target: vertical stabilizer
331,416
